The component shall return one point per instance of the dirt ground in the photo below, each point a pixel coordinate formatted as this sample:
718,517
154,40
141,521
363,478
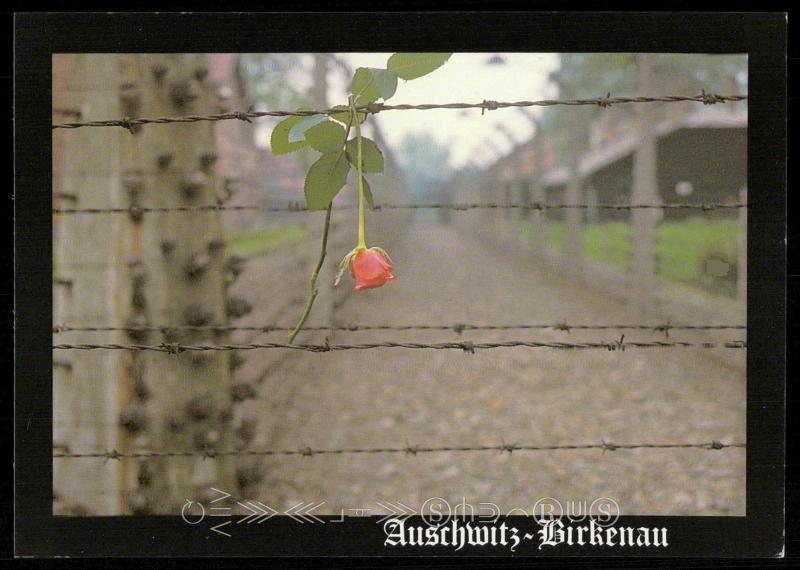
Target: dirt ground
396,397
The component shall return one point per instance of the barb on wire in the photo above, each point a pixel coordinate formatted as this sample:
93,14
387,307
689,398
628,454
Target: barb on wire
466,346
485,105
378,207
457,328
408,450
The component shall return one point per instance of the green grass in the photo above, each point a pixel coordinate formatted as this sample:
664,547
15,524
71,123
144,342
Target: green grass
262,240
681,248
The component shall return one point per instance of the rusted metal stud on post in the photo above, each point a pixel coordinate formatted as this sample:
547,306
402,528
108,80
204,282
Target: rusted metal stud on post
236,360
175,423
136,213
139,278
230,184
216,245
133,182
233,268
237,307
230,279
140,388
163,160
168,246
184,93
133,326
131,99
66,196
197,265
145,476
159,71
229,188
63,364
249,475
247,430
199,408
207,161
133,418
201,73
195,315
206,438
193,183
73,112
138,299
242,391
226,415
138,273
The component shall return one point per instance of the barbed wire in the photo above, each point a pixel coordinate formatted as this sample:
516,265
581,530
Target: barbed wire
467,346
136,210
374,108
456,328
410,450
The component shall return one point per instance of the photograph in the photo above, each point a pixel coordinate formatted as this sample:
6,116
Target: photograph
568,278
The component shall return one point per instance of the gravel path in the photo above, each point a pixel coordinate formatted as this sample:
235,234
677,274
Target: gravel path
395,397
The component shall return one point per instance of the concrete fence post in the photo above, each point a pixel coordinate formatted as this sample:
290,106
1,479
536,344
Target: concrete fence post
644,191
91,290
179,271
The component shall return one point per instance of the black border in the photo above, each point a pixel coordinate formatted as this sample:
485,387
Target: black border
762,35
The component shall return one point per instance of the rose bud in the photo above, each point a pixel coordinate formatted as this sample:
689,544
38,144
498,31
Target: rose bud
369,267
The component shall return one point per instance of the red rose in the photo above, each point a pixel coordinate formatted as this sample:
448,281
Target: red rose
370,268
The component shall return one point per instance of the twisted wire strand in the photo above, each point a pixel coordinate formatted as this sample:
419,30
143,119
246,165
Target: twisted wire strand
378,207
373,108
411,450
466,346
457,328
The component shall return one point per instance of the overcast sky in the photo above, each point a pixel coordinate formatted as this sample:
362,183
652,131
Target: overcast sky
465,78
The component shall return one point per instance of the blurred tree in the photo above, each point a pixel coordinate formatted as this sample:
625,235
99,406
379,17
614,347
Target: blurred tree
425,162
279,81
274,80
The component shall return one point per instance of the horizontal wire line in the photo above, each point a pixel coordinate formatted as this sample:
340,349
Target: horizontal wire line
373,108
457,328
409,450
457,207
466,346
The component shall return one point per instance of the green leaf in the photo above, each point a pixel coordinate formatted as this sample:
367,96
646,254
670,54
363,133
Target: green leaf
326,137
344,116
371,155
324,180
364,87
413,65
279,140
298,131
368,194
386,81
